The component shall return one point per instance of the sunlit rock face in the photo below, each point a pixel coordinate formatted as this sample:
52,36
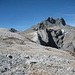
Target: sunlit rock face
45,37
52,32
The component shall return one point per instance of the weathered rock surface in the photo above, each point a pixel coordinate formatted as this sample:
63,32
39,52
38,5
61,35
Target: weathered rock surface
12,30
10,38
50,22
52,32
34,59
24,64
20,55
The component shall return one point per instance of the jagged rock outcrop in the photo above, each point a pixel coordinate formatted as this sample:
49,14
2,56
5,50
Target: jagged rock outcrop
50,22
12,30
52,38
60,21
51,32
19,56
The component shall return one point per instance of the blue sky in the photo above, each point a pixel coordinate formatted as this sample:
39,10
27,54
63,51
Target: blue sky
22,14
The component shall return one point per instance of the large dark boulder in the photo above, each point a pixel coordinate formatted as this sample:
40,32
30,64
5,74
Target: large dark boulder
12,30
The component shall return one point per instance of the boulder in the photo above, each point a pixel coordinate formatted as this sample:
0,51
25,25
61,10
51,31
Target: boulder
12,30
52,32
52,38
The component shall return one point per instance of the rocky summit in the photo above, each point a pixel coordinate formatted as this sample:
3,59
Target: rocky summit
47,48
53,33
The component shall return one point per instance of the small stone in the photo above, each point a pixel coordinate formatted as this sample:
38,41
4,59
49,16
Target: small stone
73,70
10,56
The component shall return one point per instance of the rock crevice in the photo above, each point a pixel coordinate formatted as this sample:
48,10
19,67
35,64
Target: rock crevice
54,38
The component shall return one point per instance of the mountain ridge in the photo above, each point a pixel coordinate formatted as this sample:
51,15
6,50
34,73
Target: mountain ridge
45,51
49,22
61,34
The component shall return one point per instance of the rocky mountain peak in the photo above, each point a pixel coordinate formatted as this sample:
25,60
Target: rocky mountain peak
51,20
53,33
56,21
60,21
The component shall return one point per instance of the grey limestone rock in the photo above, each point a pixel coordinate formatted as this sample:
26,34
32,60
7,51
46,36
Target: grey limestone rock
52,38
54,33
60,21
12,30
51,20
